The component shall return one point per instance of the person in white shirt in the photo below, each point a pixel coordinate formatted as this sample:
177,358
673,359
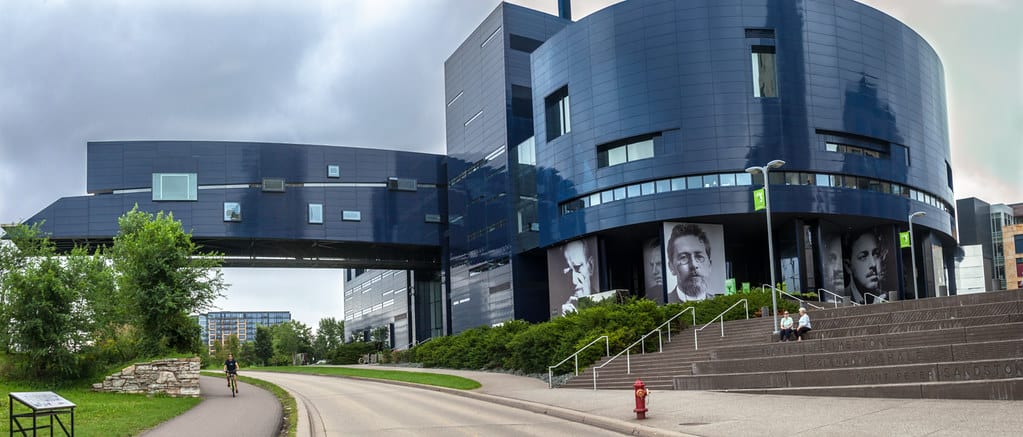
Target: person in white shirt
804,324
786,326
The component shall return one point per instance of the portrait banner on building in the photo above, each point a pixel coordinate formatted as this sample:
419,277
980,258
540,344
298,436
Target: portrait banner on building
572,273
653,269
870,264
695,255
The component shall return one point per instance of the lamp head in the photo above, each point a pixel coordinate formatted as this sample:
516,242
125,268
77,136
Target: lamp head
775,164
753,170
917,214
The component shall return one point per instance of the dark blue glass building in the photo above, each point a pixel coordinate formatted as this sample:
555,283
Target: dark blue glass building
608,153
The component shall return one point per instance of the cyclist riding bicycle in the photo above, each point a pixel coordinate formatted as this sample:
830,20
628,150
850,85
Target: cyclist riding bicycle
231,369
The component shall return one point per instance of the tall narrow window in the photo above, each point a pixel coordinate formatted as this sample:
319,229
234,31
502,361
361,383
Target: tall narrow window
765,81
316,213
232,212
558,112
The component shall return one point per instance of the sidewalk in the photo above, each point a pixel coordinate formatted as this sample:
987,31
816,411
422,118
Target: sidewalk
254,412
729,414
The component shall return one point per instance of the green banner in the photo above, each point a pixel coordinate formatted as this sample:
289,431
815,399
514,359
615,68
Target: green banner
745,287
904,239
730,286
759,201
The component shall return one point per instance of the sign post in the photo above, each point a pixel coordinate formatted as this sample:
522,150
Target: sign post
42,404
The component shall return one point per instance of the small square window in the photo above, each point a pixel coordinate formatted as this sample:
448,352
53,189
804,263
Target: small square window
728,180
743,179
351,216
663,186
333,171
433,218
647,188
594,199
232,212
607,196
694,182
710,181
316,213
678,184
633,190
620,193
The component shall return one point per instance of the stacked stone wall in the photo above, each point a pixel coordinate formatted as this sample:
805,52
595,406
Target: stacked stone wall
173,376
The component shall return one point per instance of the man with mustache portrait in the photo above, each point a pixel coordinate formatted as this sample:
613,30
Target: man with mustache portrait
689,260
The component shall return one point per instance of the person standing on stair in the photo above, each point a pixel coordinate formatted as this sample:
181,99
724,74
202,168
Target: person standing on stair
804,324
786,326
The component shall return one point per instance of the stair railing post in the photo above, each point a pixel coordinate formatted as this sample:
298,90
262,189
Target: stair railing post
660,345
628,363
576,364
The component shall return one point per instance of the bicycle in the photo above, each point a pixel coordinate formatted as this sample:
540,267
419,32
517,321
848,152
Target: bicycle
232,380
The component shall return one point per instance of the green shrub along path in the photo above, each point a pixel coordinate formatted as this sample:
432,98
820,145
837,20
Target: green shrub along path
103,414
449,381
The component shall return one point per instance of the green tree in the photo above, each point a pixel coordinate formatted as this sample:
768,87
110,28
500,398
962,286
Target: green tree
23,243
247,355
165,277
290,338
49,314
264,347
329,335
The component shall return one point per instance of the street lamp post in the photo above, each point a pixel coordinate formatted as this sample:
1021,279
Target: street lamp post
912,255
770,241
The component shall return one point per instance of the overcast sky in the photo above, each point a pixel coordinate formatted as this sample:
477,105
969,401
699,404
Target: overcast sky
360,73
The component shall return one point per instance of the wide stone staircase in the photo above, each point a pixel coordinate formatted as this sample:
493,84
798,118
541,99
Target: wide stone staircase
959,347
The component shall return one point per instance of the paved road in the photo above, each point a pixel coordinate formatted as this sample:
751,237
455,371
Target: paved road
338,406
255,412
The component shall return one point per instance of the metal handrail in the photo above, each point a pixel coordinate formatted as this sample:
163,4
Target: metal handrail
876,297
628,358
722,316
801,301
417,343
550,369
843,298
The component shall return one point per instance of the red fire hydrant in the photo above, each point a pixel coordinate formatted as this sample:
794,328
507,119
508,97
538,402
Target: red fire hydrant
641,394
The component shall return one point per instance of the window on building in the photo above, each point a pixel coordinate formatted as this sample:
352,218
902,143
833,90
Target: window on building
333,171
351,216
620,152
765,81
1018,241
558,113
174,186
854,150
232,212
401,184
433,218
316,213
273,185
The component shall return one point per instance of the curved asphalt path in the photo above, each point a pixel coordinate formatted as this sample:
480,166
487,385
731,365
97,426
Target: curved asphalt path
254,412
342,406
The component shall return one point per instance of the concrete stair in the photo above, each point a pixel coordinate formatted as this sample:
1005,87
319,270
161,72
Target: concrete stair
963,347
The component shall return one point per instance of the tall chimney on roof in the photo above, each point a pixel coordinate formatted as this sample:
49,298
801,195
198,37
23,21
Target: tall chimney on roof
565,9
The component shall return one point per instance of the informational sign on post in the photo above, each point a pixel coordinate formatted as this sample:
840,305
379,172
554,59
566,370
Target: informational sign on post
42,400
44,404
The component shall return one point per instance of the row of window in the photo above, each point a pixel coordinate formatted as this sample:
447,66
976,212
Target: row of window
233,213
853,150
184,186
744,179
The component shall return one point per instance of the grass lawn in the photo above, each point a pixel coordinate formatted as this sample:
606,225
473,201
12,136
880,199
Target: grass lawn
102,414
449,381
